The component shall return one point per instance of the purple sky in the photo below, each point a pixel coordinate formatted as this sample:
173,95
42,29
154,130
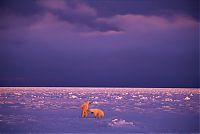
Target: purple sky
115,43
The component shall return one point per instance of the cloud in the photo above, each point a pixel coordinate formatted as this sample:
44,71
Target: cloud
49,27
72,40
66,8
76,13
81,20
84,9
102,33
50,21
146,24
54,4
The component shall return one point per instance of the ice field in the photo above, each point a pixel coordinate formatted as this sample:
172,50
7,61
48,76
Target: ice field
127,110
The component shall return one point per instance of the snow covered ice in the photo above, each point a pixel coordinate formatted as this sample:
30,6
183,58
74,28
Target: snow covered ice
127,110
120,123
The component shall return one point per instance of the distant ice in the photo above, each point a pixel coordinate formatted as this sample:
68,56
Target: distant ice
168,99
168,94
187,98
134,96
95,102
118,97
144,98
124,93
157,97
177,100
93,97
73,97
117,110
120,123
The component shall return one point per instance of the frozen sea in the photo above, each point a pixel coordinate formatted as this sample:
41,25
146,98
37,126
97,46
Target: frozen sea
127,110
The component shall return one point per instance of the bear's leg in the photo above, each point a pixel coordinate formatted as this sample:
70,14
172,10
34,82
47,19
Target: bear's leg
100,116
95,115
84,114
87,112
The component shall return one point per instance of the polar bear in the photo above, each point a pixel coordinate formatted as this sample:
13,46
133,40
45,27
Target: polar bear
84,107
97,112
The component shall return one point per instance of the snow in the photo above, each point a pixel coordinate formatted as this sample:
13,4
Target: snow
118,97
127,110
73,97
120,123
187,98
168,99
95,102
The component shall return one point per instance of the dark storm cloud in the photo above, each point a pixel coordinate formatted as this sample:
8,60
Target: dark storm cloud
147,7
22,7
77,13
84,13
74,43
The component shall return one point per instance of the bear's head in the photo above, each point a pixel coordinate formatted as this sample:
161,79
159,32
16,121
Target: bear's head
88,102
